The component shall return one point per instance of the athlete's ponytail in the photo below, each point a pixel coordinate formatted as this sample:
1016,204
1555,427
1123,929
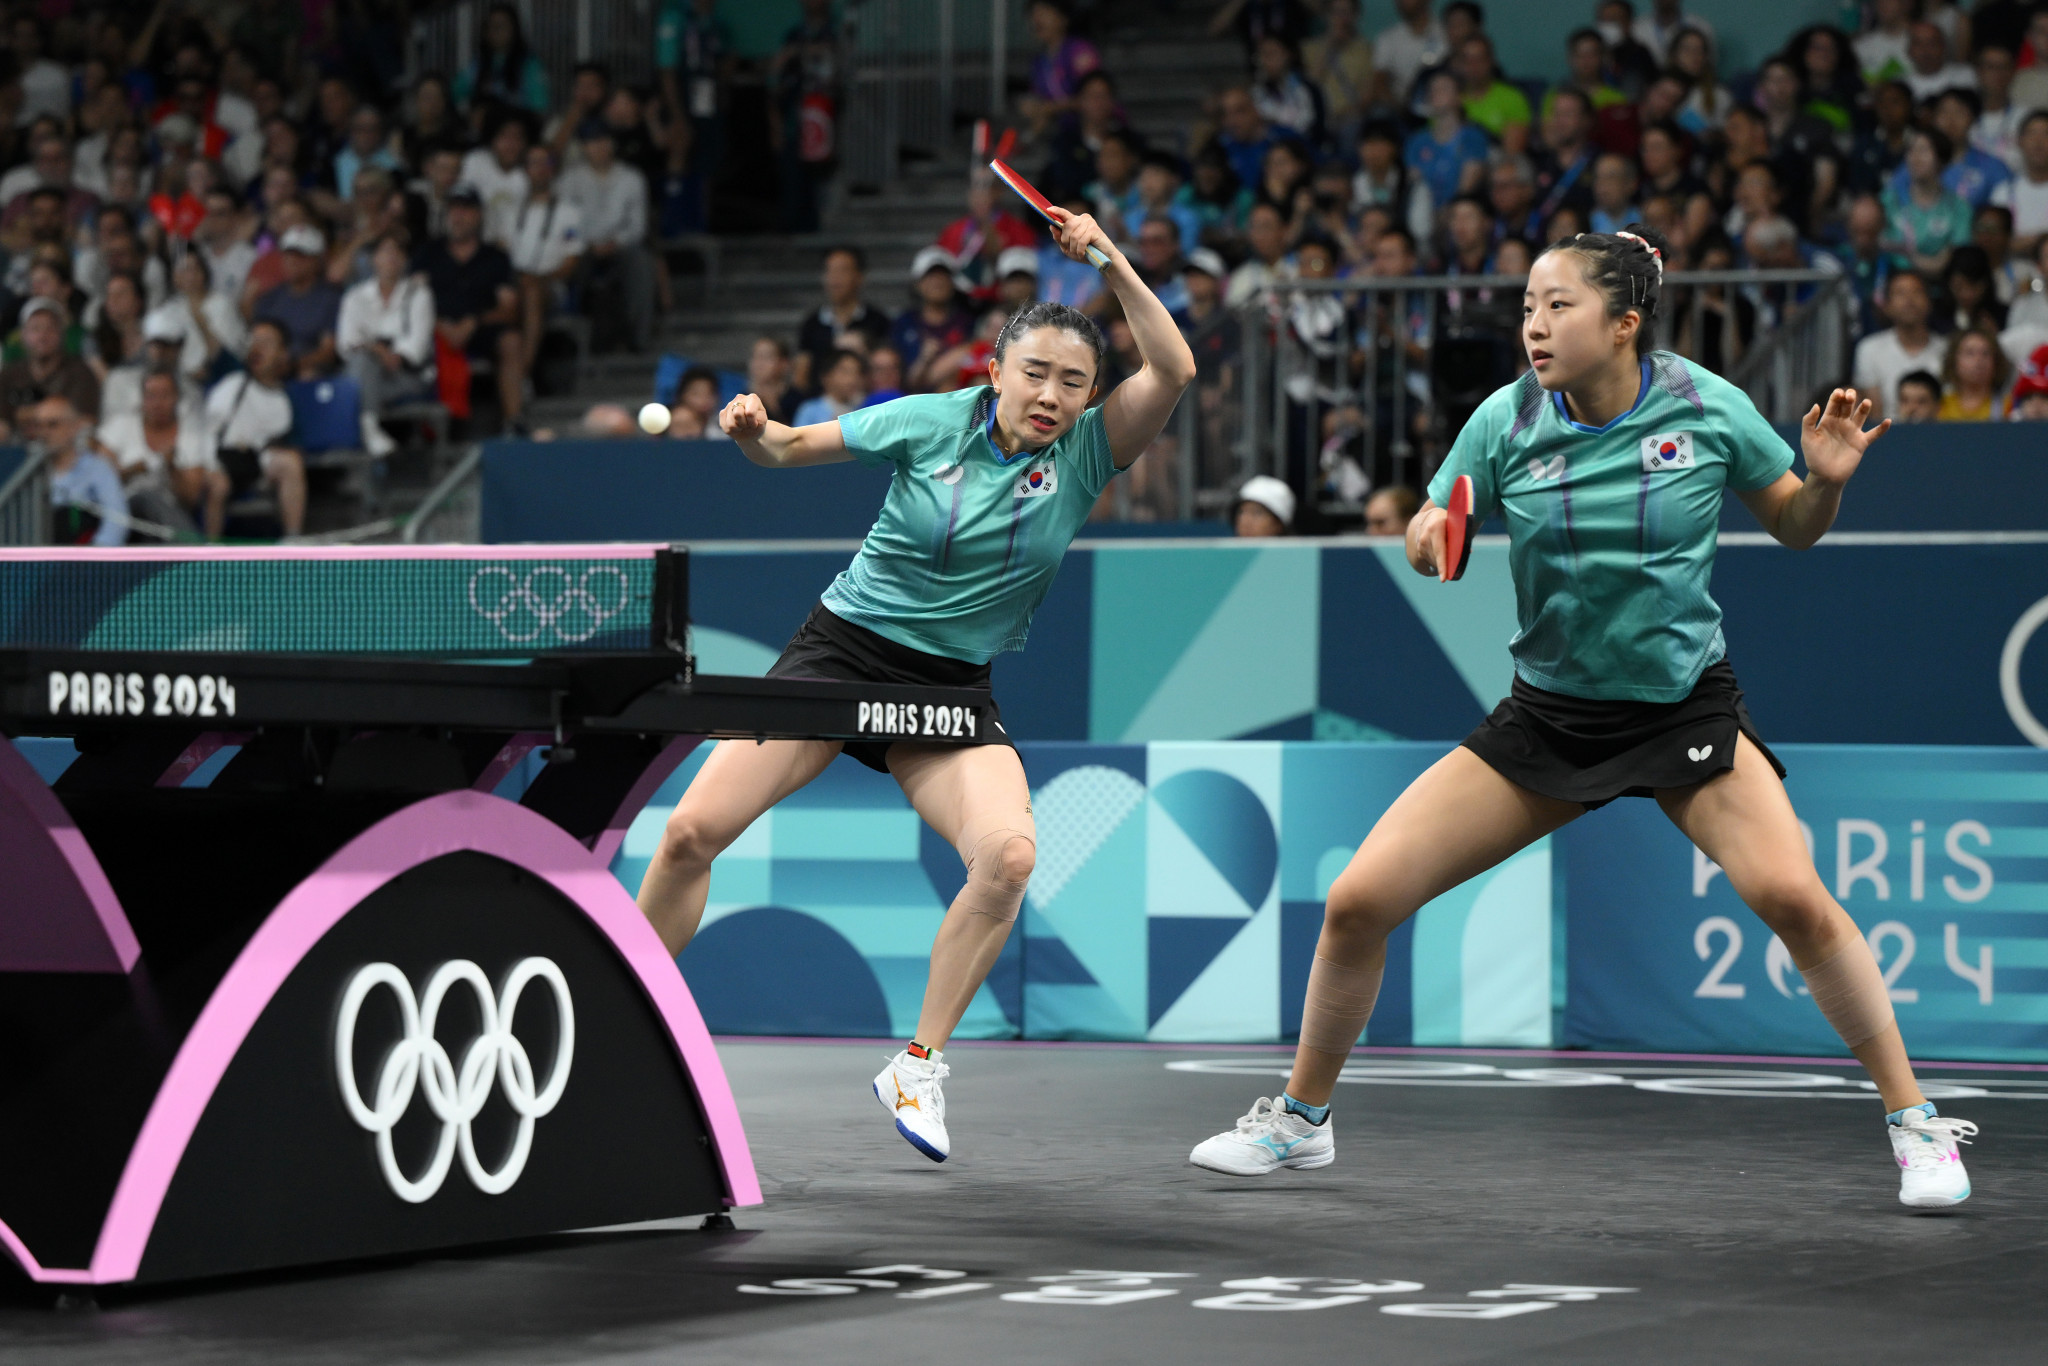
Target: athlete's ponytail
1627,267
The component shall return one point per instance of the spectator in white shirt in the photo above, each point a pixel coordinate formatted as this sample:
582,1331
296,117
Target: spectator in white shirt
386,334
249,422
206,320
1929,70
497,171
162,344
222,241
1997,130
547,246
160,451
1884,358
45,86
1403,50
2026,194
612,201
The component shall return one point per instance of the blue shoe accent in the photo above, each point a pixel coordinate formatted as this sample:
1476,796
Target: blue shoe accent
1314,1114
919,1143
1925,1107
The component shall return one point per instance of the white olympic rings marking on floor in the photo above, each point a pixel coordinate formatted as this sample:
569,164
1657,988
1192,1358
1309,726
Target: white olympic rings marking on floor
573,605
1677,1081
456,1098
2009,674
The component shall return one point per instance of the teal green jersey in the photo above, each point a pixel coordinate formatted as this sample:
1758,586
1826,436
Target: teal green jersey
1612,530
968,542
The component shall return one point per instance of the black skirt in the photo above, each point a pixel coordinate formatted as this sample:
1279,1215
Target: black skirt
1583,749
828,646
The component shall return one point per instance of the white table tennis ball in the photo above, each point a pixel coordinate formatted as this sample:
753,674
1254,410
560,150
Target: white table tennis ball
654,419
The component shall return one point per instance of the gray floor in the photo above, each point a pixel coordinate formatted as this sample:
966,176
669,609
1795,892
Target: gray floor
1741,1229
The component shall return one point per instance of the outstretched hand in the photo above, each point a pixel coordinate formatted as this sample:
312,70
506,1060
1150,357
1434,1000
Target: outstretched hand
1833,437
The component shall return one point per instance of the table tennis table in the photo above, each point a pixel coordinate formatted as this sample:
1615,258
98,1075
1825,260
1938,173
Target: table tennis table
295,966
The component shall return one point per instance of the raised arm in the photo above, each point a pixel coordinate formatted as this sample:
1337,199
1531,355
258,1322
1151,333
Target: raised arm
776,446
1138,408
1798,512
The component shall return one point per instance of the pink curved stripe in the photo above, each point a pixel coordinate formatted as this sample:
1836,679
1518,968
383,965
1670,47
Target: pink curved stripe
428,829
605,844
58,912
43,554
36,1270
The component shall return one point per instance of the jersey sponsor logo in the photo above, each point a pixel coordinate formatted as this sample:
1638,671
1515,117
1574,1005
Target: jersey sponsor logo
1554,470
1037,481
1671,451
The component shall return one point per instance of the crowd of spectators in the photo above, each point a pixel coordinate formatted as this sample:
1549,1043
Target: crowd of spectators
1910,156
205,207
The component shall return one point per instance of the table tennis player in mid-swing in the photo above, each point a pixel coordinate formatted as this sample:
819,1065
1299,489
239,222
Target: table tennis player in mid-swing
990,486
1608,461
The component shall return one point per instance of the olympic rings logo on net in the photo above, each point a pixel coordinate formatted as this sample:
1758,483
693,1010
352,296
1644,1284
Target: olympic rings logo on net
550,600
456,1095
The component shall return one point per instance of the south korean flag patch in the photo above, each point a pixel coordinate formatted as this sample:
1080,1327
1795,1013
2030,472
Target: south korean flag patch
1672,451
1037,479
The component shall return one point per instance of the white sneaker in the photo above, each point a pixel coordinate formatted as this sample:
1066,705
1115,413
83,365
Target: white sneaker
909,1090
1268,1138
1931,1174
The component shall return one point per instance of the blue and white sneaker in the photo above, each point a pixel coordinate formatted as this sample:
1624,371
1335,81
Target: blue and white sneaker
1931,1174
1268,1138
909,1090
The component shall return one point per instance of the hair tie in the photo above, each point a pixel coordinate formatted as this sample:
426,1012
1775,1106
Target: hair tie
1656,256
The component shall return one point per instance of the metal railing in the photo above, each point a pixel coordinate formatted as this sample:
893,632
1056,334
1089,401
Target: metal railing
452,511
917,72
25,501
1380,374
560,33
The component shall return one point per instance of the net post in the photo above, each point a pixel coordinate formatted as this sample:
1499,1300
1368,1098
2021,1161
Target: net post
669,629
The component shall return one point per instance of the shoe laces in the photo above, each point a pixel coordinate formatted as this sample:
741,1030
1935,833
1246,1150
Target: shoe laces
1944,1131
1261,1118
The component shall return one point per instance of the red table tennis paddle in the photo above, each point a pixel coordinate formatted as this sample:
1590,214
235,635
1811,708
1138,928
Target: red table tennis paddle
1458,530
1030,195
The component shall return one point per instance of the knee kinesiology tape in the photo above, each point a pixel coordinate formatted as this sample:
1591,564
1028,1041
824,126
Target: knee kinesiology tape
1339,1002
989,891
1850,992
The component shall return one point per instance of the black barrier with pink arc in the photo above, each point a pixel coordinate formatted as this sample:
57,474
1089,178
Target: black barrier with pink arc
177,1106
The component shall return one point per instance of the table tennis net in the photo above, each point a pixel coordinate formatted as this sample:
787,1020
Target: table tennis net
471,607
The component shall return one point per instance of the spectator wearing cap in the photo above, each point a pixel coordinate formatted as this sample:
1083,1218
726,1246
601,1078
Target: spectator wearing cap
844,322
611,199
159,449
1016,279
476,299
1212,331
547,247
497,172
985,233
305,306
386,335
248,421
44,369
1264,507
2030,389
85,488
935,323
163,345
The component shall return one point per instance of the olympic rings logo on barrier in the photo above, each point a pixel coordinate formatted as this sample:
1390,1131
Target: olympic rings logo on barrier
1755,1083
455,1095
2009,674
570,605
